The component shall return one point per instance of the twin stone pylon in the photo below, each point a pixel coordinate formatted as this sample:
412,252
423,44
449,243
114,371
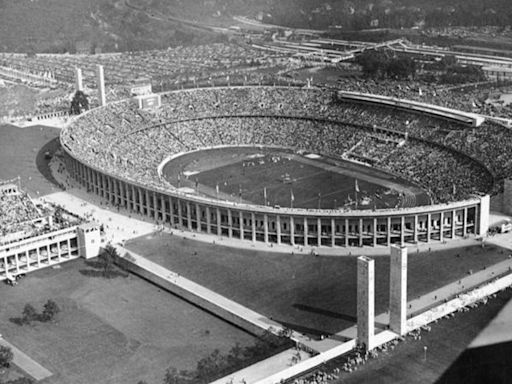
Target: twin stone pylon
366,296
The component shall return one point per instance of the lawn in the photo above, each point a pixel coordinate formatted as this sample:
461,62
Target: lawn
111,331
311,294
246,172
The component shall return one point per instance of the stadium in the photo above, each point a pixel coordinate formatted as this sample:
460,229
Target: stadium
293,165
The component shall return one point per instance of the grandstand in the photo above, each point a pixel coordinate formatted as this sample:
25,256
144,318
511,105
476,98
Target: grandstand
109,154
34,236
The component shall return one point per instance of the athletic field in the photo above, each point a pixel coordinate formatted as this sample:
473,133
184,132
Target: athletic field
277,177
315,295
110,331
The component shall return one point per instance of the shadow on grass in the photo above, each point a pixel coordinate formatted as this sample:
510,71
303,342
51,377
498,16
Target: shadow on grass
97,269
313,332
325,312
17,320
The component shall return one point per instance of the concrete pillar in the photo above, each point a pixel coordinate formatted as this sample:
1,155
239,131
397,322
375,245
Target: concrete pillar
208,221
389,231
333,232
241,224
415,229
101,85
253,226
79,86
398,290
198,218
319,231
265,227
189,216
374,231
219,223
180,213
305,231
365,302
483,218
278,229
346,232
465,222
402,230
441,226
171,210
360,228
454,218
292,231
429,227
230,224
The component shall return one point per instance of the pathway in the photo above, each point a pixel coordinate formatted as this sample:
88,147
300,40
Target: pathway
27,364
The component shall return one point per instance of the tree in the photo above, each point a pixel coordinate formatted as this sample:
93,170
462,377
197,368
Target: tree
29,314
401,67
50,310
6,356
373,63
79,103
108,256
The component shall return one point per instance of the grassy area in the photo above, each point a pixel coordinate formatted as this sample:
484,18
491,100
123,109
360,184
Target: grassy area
22,154
311,294
245,172
119,330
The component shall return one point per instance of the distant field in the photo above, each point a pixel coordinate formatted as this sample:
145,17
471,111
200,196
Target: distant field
114,331
244,173
310,294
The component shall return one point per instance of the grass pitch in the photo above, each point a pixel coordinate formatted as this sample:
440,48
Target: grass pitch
111,331
277,177
315,295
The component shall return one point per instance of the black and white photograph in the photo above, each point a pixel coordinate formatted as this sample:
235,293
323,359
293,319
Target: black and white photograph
255,191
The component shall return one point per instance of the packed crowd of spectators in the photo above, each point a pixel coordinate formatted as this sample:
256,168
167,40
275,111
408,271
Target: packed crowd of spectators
15,209
132,143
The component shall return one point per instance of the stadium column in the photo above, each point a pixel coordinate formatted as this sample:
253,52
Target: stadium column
198,218
398,290
482,211
365,302
253,225
465,222
230,223
162,208
17,260
346,233
189,216
265,227
374,231
171,210
454,216
441,226
241,224
180,212
219,222
292,231
132,198
415,229
333,232
319,231
141,204
360,227
402,230
155,206
208,221
278,228
429,227
305,231
101,85
38,257
58,251
148,206
389,231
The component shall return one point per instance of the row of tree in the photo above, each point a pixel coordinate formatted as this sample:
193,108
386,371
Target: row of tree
218,365
30,314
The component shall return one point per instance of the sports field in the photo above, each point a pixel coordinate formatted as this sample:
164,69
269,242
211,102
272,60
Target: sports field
274,177
114,331
316,295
